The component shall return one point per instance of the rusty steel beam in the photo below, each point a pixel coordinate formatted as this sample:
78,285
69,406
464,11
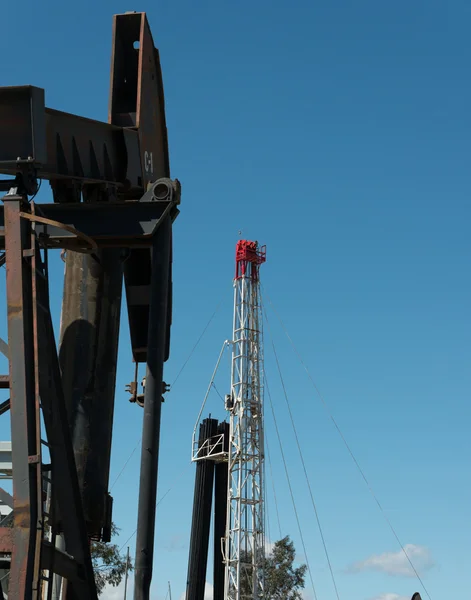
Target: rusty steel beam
111,225
112,191
127,153
64,564
6,540
137,95
65,484
90,325
64,146
34,374
26,449
136,77
92,287
88,159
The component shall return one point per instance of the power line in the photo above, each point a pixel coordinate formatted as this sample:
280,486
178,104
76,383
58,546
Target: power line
197,343
176,480
304,464
126,463
176,379
217,391
290,489
350,451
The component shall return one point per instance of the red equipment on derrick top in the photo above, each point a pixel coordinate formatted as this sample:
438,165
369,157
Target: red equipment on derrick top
249,253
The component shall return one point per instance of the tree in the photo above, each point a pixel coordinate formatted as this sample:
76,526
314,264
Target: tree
283,581
109,565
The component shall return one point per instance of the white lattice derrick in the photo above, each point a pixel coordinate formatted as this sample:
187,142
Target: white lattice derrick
245,527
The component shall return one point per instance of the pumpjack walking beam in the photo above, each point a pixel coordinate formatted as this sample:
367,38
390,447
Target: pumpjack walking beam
114,205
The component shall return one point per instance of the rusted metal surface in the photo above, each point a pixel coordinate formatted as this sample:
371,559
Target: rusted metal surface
34,370
6,540
34,459
22,127
62,145
135,78
88,355
65,483
111,225
109,194
26,476
64,564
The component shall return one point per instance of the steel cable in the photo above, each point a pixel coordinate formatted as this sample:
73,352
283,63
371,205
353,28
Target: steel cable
314,506
290,489
350,451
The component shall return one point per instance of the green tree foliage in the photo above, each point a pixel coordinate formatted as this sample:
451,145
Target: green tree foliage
109,565
283,581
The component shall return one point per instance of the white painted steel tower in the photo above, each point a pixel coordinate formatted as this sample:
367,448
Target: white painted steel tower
245,539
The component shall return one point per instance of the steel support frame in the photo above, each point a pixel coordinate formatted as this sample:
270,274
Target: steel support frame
109,166
35,381
34,374
26,447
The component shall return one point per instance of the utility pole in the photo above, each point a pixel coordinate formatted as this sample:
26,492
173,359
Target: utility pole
126,576
245,539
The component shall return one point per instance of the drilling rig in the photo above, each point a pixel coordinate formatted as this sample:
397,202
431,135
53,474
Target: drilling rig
234,455
112,213
245,540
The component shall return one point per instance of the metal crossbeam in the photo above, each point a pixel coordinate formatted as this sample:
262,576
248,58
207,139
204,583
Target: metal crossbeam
114,206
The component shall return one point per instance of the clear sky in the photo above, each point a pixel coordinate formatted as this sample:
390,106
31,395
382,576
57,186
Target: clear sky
338,133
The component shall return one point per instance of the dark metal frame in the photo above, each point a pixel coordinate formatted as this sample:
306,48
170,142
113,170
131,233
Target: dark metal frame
111,189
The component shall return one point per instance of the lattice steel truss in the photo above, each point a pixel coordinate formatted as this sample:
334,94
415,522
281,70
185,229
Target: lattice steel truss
245,541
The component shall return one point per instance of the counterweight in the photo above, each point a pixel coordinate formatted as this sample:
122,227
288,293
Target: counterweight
245,540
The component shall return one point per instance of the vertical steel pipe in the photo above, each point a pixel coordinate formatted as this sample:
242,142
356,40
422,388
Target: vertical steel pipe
221,477
156,346
201,521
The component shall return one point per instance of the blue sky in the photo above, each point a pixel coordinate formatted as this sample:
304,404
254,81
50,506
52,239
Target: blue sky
338,134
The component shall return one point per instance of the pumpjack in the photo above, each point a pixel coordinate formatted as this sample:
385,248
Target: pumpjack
112,210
